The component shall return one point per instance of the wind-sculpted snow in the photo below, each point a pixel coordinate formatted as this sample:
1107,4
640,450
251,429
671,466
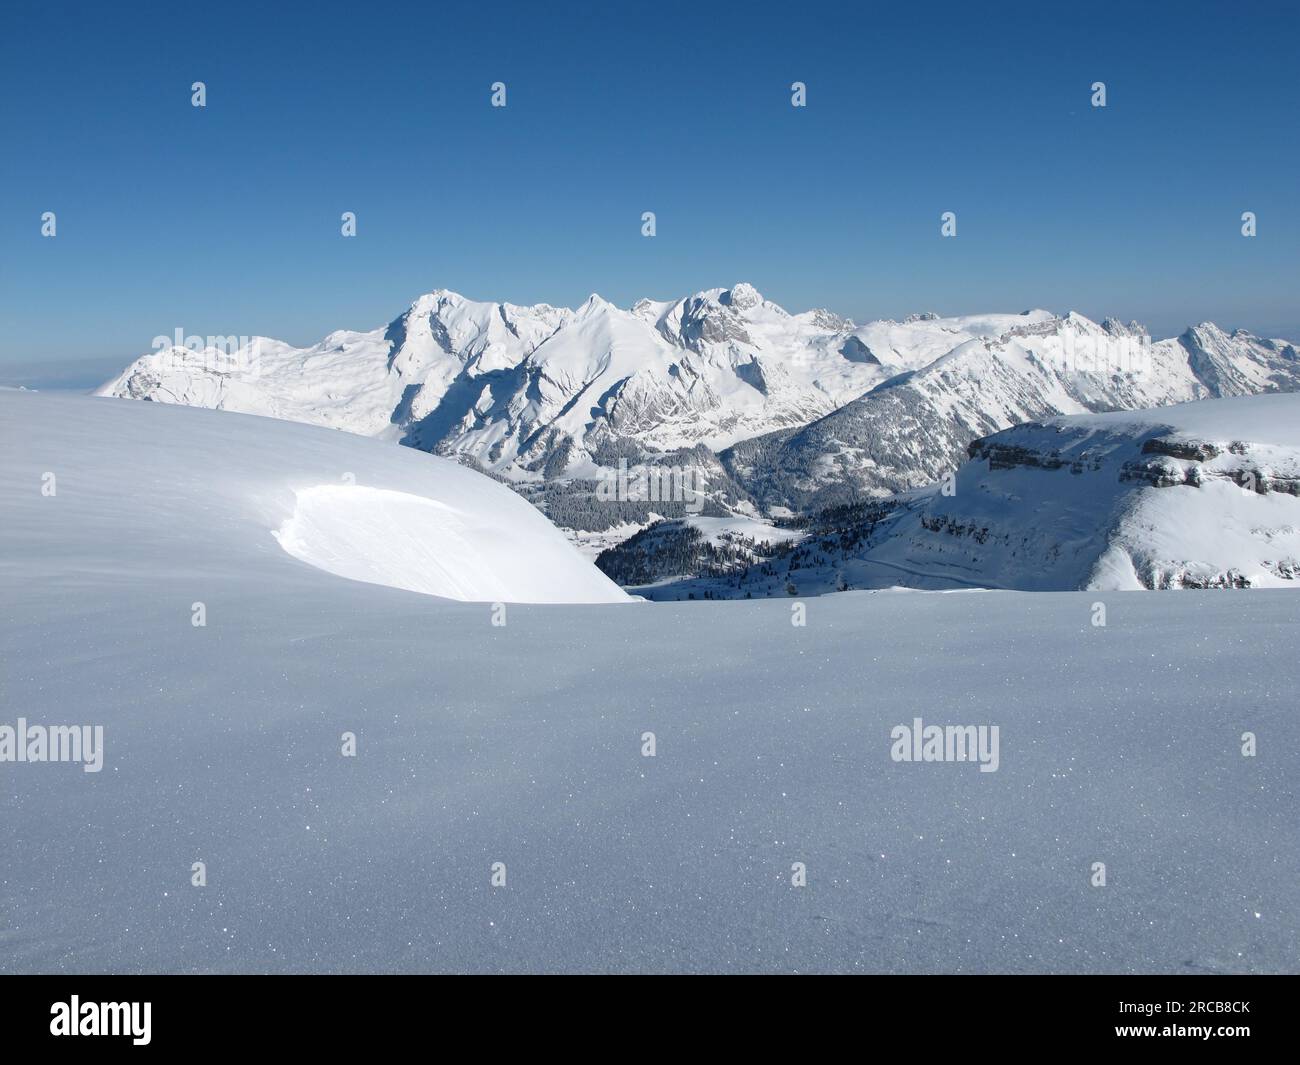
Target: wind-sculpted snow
216,492
411,541
522,744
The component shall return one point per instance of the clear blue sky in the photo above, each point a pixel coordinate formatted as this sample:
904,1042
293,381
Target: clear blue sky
225,220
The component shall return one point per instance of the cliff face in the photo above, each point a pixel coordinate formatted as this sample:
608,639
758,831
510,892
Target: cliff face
1200,495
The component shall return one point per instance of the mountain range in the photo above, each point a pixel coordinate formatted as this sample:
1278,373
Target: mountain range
786,413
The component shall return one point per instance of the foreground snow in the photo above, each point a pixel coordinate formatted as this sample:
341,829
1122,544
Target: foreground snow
229,487
522,744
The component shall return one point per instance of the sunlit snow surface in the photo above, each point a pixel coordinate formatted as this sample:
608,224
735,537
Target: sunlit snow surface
522,744
414,542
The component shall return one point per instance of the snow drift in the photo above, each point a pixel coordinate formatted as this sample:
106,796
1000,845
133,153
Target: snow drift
219,490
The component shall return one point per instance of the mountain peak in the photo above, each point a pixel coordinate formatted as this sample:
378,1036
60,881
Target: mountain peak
595,302
1117,328
431,300
741,296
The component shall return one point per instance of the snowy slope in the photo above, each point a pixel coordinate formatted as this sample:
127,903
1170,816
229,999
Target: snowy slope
521,744
226,492
1197,495
915,428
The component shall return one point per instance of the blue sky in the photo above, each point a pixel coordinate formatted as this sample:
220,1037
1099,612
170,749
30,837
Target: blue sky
225,220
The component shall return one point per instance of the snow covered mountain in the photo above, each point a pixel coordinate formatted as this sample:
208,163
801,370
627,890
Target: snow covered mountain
533,391
1197,495
806,409
915,428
